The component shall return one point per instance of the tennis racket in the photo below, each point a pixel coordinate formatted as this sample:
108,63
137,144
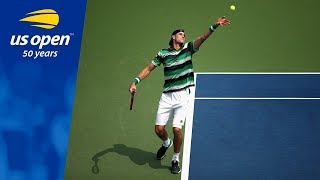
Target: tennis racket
131,100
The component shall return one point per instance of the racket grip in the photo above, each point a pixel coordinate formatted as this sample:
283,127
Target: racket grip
131,100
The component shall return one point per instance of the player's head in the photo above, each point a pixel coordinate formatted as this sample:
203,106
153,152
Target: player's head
177,36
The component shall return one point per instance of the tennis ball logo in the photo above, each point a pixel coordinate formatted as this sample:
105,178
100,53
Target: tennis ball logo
44,18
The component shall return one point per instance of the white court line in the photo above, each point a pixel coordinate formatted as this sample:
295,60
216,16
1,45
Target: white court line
189,121
253,98
188,136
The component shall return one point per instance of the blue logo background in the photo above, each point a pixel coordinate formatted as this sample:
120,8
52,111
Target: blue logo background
36,95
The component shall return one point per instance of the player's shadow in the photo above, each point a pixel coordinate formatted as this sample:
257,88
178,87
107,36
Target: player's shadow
137,156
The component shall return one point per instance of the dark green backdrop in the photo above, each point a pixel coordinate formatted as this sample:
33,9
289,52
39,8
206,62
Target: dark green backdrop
121,37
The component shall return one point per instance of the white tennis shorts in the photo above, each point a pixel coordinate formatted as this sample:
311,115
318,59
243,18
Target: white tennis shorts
174,105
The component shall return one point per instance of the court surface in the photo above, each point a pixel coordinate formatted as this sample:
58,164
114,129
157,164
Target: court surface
122,37
253,126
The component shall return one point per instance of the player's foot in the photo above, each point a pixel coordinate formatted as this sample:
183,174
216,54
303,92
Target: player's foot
175,169
162,151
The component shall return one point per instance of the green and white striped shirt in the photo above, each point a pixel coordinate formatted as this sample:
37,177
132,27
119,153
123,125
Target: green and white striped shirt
178,68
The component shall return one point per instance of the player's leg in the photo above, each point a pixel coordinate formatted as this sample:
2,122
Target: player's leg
177,140
182,99
161,132
163,115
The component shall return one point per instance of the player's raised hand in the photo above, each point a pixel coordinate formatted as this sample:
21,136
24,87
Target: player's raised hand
222,21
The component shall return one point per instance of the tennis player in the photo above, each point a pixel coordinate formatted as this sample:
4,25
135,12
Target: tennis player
178,85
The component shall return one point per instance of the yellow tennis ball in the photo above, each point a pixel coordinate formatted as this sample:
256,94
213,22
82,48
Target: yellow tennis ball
233,7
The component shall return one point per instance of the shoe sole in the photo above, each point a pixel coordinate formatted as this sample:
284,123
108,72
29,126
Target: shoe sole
176,172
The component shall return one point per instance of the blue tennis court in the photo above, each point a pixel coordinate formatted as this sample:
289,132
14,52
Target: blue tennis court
252,126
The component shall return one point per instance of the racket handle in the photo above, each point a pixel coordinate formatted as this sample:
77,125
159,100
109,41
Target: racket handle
131,101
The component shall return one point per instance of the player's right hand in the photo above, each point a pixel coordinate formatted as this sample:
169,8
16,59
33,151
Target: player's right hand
133,88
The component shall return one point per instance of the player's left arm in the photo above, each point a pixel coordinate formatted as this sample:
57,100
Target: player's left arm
220,22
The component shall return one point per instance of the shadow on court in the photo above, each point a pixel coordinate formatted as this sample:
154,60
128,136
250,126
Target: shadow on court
137,156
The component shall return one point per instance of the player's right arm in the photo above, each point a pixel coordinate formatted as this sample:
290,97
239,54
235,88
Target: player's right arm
146,71
142,75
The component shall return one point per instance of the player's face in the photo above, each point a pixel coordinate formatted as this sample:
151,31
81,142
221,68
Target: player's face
179,37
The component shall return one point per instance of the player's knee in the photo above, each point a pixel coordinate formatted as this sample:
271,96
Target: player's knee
159,129
177,131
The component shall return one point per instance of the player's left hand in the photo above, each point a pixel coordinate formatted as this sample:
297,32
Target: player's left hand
222,21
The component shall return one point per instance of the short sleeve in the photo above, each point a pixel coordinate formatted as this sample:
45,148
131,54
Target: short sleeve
157,59
191,47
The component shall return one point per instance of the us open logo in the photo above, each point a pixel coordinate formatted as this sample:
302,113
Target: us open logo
45,19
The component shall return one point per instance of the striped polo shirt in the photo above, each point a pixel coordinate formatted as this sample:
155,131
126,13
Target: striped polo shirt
178,68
